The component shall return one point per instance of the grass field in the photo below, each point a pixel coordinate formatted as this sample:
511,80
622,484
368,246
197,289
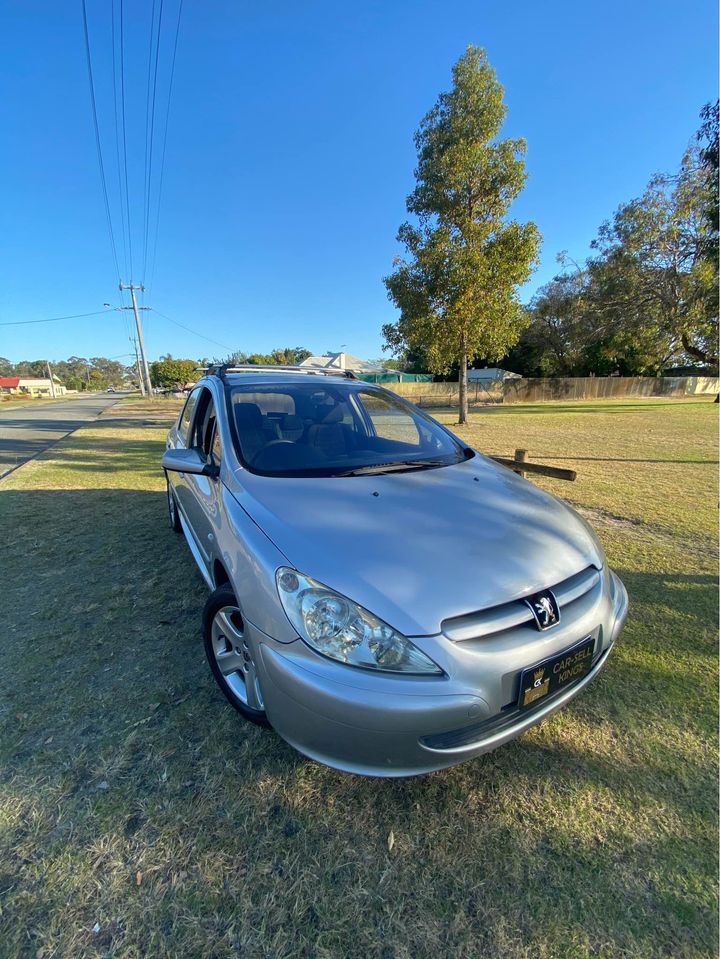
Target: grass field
139,816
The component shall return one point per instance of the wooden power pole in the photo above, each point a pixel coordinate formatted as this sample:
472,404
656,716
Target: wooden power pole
136,310
50,377
141,378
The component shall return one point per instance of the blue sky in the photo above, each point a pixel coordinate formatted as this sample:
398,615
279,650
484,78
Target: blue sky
290,153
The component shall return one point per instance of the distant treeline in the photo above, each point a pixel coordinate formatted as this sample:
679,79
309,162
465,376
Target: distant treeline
76,373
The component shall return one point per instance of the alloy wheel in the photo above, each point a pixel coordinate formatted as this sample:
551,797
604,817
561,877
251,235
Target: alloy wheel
234,657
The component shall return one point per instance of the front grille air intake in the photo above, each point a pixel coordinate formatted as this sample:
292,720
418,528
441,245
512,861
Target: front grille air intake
496,619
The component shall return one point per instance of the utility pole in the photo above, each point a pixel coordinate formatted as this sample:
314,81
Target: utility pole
132,287
141,379
50,376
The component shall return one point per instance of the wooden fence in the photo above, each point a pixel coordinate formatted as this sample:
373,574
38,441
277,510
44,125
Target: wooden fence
567,389
446,394
607,387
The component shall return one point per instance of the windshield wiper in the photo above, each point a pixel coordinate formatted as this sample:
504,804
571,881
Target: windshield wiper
394,467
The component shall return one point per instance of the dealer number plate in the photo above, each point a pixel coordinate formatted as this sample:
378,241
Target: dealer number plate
560,670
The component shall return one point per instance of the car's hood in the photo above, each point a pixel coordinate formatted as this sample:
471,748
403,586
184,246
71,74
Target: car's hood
416,548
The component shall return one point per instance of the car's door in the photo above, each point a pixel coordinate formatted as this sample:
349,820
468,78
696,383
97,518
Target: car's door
200,495
179,437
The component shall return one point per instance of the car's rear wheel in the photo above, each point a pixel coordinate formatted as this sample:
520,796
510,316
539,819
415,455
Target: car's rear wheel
173,512
231,656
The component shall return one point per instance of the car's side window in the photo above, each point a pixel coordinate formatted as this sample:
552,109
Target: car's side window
204,433
187,415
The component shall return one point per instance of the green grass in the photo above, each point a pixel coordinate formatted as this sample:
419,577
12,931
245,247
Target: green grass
135,802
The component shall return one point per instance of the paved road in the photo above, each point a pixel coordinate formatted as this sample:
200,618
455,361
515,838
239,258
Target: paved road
27,431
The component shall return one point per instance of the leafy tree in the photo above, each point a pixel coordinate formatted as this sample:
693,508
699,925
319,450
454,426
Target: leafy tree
398,364
707,139
289,355
73,382
649,295
457,289
652,282
559,333
285,356
6,367
76,370
76,373
31,368
169,373
110,372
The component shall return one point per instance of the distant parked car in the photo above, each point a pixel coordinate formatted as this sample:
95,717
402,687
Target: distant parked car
389,600
111,389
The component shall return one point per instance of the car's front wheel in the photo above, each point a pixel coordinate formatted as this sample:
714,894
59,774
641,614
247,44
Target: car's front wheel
231,657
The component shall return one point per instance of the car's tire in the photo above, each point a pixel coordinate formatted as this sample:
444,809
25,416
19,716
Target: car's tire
173,511
231,656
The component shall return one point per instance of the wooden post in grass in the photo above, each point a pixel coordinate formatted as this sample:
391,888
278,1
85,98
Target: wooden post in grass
521,457
520,464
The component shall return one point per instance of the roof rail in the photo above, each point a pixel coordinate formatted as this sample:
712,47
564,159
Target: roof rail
221,369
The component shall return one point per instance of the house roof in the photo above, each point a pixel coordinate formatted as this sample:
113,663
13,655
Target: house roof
15,381
492,373
342,361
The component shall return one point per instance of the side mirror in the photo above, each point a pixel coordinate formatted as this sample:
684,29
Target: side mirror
188,461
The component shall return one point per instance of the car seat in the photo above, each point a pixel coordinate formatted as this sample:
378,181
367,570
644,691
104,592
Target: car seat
252,436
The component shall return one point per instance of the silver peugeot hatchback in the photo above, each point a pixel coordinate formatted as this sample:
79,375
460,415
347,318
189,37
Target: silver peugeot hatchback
389,600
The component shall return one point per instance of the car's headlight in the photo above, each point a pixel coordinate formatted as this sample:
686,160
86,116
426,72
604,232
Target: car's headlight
342,630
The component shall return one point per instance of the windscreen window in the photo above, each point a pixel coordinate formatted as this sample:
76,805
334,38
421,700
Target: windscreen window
305,429
391,423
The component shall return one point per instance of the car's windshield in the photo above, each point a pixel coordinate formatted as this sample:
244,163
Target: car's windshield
328,429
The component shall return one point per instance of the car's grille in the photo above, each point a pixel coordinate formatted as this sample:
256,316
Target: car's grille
505,719
496,619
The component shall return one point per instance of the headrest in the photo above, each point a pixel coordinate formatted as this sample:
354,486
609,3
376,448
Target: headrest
334,415
291,422
248,416
303,405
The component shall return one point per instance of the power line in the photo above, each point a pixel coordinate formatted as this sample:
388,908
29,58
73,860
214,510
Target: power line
189,330
97,141
53,319
164,146
152,136
117,137
147,131
125,230
124,132
153,178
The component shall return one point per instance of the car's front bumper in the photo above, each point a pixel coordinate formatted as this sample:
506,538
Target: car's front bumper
403,726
